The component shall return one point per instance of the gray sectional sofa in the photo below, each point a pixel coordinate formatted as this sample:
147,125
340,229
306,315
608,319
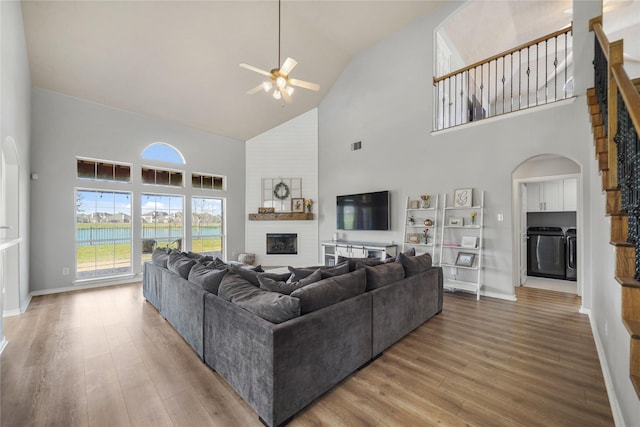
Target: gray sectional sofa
316,336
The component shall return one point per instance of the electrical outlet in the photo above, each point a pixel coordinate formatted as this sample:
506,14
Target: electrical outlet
65,271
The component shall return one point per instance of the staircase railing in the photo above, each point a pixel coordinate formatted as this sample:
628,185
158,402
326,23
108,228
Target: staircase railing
532,74
619,107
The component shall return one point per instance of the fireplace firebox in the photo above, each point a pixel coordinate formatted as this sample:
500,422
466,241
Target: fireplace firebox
282,244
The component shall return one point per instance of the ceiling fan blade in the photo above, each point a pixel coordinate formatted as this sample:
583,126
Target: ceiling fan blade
287,66
256,89
256,69
305,85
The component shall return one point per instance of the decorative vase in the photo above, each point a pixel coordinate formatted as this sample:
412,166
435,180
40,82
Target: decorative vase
473,220
428,222
308,209
426,239
426,204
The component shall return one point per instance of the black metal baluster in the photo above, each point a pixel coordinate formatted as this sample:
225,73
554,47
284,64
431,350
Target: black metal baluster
555,70
511,84
546,71
481,89
442,103
503,61
537,69
601,75
566,64
528,74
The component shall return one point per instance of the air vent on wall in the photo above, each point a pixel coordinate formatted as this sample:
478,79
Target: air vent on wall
356,146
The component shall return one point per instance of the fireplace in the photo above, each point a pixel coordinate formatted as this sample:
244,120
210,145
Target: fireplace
282,244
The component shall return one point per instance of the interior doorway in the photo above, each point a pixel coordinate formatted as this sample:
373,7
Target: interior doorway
547,219
10,228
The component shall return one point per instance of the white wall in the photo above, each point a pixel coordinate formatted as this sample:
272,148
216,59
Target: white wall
288,151
15,107
65,127
391,113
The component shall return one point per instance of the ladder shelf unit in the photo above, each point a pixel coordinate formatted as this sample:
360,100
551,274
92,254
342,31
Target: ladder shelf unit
413,236
462,244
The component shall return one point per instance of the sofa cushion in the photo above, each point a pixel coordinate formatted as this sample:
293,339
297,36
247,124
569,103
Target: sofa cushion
285,287
408,252
180,264
415,264
198,257
160,256
326,271
353,262
252,275
330,291
272,306
383,274
206,277
220,264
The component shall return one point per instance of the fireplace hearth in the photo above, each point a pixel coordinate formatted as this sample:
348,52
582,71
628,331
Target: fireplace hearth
282,244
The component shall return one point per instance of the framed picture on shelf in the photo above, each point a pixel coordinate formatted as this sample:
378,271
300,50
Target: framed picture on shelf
465,259
414,204
413,238
297,204
469,242
454,220
463,198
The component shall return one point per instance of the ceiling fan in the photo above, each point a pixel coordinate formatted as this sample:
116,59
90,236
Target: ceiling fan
279,80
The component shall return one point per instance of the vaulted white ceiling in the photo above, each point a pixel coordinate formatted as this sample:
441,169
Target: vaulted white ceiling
178,60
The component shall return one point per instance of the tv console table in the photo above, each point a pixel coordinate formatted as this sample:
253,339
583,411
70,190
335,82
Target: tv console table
334,249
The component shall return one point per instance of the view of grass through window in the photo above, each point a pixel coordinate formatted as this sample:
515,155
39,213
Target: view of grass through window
162,223
103,233
206,226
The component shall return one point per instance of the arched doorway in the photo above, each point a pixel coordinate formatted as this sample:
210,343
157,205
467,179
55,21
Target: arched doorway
547,213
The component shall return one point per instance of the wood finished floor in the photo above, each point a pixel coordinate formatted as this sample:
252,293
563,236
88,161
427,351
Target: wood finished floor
105,357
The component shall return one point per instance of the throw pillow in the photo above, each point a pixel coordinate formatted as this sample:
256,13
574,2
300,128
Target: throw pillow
180,264
271,306
353,262
330,291
160,256
207,278
327,271
415,264
410,252
383,274
283,287
219,263
252,275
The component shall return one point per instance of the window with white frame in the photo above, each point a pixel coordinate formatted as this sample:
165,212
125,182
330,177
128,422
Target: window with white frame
103,233
162,218
207,226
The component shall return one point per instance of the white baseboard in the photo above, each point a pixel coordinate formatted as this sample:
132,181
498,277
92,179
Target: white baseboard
497,295
10,313
89,285
586,311
611,393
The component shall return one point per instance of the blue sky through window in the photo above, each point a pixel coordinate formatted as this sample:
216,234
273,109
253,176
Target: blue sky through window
163,152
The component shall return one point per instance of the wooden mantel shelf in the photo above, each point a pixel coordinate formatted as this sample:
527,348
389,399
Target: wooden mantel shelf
281,216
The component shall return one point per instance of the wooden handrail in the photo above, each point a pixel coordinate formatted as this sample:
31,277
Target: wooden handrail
505,53
602,38
629,94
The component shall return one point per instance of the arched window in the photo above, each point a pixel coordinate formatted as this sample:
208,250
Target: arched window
163,152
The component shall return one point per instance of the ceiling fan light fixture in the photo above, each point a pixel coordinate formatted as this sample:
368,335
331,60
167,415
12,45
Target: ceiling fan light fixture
289,90
281,82
267,86
277,94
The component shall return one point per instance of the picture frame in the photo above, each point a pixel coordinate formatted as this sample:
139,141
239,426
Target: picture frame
414,204
463,198
469,242
297,204
413,238
456,221
465,259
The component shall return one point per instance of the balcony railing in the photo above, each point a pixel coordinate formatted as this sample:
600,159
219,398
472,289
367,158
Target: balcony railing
535,73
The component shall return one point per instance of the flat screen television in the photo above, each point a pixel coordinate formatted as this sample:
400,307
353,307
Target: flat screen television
365,211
